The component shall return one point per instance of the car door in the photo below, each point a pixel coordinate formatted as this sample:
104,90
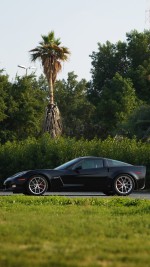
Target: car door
71,179
93,173
88,173
77,176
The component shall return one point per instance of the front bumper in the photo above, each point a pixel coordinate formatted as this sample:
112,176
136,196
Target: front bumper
14,186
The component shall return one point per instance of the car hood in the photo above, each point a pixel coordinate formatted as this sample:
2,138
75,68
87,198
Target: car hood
26,173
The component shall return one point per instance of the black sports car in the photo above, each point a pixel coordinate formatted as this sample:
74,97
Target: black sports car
85,173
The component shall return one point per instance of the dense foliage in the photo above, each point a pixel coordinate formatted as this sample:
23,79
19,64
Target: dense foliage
49,153
77,112
121,83
22,108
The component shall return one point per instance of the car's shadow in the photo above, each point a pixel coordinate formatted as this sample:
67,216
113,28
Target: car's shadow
75,194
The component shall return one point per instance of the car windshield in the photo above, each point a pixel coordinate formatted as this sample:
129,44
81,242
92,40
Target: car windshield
67,164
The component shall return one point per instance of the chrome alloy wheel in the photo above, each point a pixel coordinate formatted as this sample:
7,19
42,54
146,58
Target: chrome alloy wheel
124,185
37,185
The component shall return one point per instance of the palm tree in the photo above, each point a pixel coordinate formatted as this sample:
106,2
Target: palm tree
51,55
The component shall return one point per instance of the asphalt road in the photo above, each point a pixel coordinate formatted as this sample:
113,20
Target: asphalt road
138,195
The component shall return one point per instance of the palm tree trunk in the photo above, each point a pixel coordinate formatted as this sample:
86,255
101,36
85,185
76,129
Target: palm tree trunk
52,123
51,90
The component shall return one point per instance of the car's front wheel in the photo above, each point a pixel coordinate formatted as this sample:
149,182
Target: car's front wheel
37,185
123,185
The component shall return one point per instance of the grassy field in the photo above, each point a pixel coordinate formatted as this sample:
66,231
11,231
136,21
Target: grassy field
61,231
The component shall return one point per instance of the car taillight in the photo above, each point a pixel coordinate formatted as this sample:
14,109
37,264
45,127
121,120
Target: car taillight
138,172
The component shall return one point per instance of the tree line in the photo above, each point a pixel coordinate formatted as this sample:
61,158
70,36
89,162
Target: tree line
115,102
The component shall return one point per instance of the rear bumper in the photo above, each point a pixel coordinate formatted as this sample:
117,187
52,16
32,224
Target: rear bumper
140,184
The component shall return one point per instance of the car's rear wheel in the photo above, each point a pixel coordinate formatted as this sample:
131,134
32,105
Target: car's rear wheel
37,185
123,185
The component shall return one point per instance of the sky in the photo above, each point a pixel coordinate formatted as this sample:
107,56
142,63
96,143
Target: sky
80,24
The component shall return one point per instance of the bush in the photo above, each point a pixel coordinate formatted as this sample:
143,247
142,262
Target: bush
49,153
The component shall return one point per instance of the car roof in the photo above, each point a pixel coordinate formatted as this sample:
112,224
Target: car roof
91,157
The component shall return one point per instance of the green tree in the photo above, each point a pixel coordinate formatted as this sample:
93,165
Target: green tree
109,59
4,84
51,54
131,59
138,44
138,123
138,53
25,104
76,110
117,102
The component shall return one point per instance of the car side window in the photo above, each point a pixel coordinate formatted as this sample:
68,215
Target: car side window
115,163
99,163
78,166
89,164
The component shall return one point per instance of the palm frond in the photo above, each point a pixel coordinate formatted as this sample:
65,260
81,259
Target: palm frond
51,54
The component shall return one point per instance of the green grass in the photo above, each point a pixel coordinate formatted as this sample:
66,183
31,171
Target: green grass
61,231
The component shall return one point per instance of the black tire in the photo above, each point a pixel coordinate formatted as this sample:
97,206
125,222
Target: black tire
36,185
123,185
